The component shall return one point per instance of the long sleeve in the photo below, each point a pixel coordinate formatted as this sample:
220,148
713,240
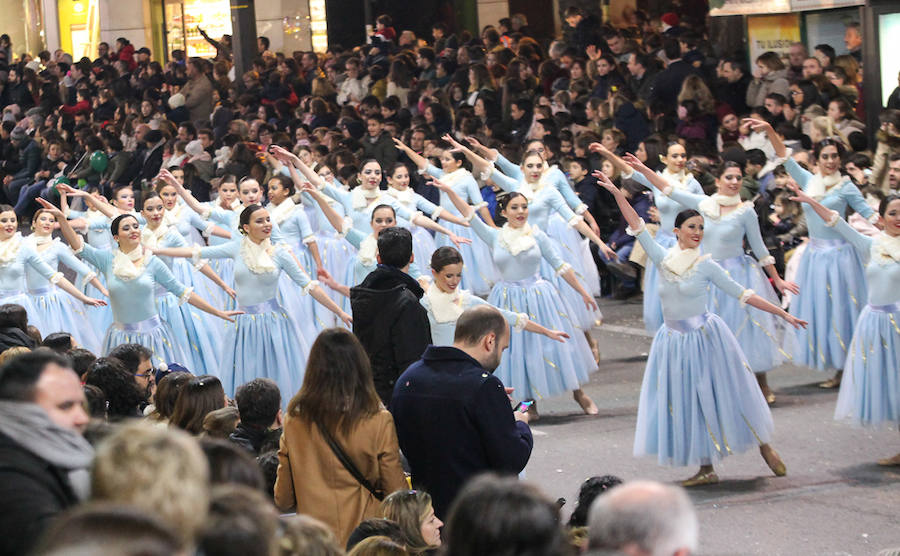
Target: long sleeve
164,277
38,264
559,204
290,267
473,192
719,276
686,198
509,168
860,242
227,250
568,192
390,470
101,259
655,251
412,334
339,195
548,250
504,182
66,257
485,232
854,198
800,175
433,171
284,479
306,231
514,319
426,206
754,237
355,237
507,442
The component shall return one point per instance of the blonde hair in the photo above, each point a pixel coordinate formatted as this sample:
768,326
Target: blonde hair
162,471
409,508
12,353
693,88
825,126
303,535
377,546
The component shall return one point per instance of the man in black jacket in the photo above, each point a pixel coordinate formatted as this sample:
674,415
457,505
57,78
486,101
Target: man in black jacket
259,403
388,319
667,83
44,460
453,415
29,164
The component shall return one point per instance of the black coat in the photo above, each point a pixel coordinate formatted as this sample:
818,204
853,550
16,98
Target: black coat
390,323
14,337
668,82
454,421
33,493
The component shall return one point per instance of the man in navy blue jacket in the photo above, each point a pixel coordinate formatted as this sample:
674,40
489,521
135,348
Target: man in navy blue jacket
453,415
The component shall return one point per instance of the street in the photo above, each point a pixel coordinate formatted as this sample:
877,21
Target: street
834,500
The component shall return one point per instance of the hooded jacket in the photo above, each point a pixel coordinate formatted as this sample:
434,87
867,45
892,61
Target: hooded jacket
390,323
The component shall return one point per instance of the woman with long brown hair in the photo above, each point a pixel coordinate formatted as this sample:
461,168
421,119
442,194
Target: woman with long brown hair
337,410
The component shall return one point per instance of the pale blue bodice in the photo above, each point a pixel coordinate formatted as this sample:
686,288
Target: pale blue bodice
545,202
882,276
685,296
360,269
253,288
668,207
555,176
723,237
133,300
362,218
442,332
12,274
526,264
98,234
53,255
465,186
295,229
838,198
231,219
316,215
418,204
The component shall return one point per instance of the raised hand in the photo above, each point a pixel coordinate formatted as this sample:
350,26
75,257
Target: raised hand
757,124
439,184
51,208
635,163
458,241
557,335
604,182
69,190
597,148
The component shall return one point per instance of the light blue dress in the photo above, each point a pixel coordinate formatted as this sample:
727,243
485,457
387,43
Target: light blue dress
668,209
870,387
442,329
12,280
423,242
200,337
264,342
335,253
193,228
699,398
831,279
98,235
574,249
545,202
760,334
535,365
56,310
135,318
479,272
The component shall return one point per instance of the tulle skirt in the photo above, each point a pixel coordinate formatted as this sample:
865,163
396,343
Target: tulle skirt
583,317
536,366
653,315
264,343
423,247
576,251
479,272
21,298
57,311
198,338
100,318
765,341
870,388
832,293
301,308
337,254
153,333
699,398
225,269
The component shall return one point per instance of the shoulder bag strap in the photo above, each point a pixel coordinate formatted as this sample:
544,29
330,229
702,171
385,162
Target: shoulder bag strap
348,464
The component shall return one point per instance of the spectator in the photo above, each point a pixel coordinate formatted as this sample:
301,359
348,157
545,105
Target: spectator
377,143
641,75
770,77
733,85
198,91
302,535
124,396
167,390
14,327
241,522
136,359
198,397
337,411
387,317
413,511
44,460
589,491
643,517
523,521
29,161
376,527
668,82
453,416
378,546
853,40
259,402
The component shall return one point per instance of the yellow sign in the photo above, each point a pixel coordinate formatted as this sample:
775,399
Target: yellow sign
773,33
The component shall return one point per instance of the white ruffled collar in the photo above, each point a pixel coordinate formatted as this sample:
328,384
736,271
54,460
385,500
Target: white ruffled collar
258,256
405,197
281,212
362,197
516,240
679,262
152,238
173,217
9,248
368,251
446,307
677,181
452,177
711,206
128,266
35,240
819,186
886,249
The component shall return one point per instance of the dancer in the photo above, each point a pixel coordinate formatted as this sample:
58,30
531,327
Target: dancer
57,312
831,272
870,390
265,341
675,175
536,366
445,301
480,274
698,402
728,221
132,274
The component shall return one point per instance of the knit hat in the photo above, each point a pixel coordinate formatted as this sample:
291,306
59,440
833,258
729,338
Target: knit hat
670,19
194,148
18,135
723,110
34,66
176,101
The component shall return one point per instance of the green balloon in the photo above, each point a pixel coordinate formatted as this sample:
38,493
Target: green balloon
99,161
59,180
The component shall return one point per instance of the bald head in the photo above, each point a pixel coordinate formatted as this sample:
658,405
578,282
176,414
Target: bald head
643,518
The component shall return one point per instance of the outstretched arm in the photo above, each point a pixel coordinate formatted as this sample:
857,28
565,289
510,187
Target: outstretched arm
479,164
617,161
420,161
294,163
766,127
655,179
103,207
188,197
631,216
335,219
68,233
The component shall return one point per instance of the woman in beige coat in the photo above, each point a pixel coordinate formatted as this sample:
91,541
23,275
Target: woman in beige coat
770,77
338,395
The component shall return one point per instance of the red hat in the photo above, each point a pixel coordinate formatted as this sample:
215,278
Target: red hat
723,110
670,19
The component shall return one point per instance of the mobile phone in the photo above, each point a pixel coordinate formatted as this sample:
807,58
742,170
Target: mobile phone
524,406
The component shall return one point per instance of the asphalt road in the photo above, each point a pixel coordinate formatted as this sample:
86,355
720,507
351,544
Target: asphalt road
834,499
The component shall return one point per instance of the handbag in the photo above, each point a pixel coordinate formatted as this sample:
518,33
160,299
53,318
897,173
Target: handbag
378,493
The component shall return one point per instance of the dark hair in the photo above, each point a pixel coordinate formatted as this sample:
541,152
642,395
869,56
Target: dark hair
721,168
828,142
246,214
167,391
395,246
258,401
828,51
13,315
147,195
337,390
268,465
755,156
477,322
81,360
117,222
671,49
444,256
590,489
60,342
198,397
285,183
122,392
230,464
684,215
886,202
241,522
375,527
503,517
504,200
131,355
19,375
96,402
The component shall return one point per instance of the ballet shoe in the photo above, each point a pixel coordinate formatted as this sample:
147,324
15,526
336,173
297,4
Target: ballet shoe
890,462
773,460
770,398
701,478
833,382
587,404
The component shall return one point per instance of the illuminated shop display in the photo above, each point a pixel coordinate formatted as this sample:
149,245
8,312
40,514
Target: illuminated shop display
183,18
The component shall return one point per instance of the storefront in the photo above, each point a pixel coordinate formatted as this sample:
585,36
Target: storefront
183,20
